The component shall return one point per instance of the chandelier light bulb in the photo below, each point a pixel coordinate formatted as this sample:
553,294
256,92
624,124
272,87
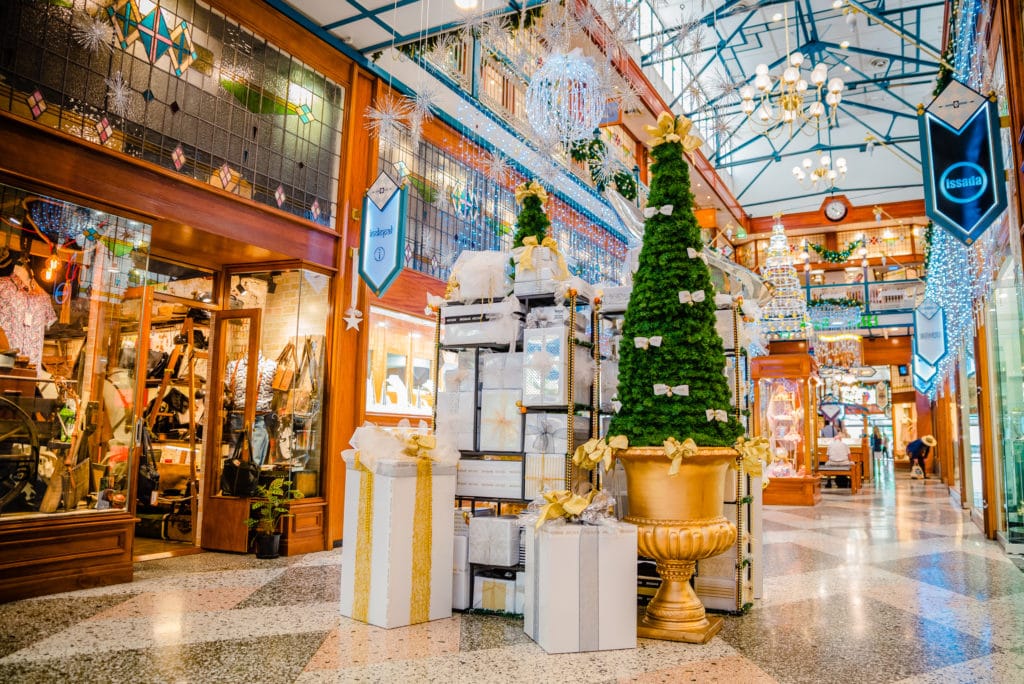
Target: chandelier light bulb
748,107
747,93
797,172
836,85
807,163
816,110
791,75
831,100
788,116
763,82
761,69
819,74
467,4
796,59
832,175
801,86
841,164
764,112
826,160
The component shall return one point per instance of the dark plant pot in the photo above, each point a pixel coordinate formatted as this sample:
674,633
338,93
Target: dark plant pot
268,545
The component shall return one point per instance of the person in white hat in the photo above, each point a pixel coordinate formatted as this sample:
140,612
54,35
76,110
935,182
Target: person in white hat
918,451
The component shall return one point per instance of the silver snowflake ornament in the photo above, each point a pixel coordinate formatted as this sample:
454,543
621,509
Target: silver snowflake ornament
91,33
384,120
120,97
497,167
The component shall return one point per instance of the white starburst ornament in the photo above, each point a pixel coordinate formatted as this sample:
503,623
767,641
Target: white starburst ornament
440,53
353,317
497,167
92,33
384,120
120,97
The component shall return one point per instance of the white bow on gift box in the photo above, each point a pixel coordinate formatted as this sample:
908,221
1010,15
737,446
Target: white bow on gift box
717,414
544,432
691,297
647,342
654,211
375,444
671,390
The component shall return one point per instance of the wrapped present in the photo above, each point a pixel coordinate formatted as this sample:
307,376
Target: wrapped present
567,567
552,316
460,573
547,432
479,275
463,377
538,267
456,411
543,472
398,527
615,299
545,372
501,370
501,423
490,478
495,323
520,603
609,384
494,540
494,591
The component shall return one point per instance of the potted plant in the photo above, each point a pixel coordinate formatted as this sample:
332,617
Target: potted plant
269,507
675,430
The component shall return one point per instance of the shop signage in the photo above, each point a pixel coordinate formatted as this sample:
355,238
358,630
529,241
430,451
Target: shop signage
964,184
931,343
382,236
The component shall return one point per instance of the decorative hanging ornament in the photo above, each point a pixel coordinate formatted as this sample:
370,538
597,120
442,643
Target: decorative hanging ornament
565,99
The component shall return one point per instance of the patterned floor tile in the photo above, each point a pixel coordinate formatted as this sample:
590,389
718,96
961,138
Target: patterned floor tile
353,643
318,584
792,559
24,623
170,602
725,670
964,573
491,631
998,667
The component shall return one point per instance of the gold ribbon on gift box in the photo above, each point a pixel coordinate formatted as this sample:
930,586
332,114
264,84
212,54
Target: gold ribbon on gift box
526,257
562,504
422,535
494,595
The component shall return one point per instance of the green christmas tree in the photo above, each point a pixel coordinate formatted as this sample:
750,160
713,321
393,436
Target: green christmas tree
667,390
532,221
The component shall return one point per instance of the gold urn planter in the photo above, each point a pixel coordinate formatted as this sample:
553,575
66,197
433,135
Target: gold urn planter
680,521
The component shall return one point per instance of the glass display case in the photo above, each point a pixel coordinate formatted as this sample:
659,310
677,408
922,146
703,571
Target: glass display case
785,413
400,372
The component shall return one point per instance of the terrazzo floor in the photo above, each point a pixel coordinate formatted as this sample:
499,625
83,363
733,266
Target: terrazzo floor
890,585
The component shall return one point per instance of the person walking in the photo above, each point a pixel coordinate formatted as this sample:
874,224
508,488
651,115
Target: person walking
917,451
877,442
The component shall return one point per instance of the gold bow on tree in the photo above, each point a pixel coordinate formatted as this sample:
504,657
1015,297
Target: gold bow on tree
563,504
524,190
676,451
595,451
673,129
526,258
419,445
754,453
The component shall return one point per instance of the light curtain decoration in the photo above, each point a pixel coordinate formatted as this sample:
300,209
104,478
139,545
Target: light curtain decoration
841,351
834,314
676,451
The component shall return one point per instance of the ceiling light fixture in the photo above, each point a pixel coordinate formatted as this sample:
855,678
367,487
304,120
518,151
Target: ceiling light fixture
773,103
809,175
467,5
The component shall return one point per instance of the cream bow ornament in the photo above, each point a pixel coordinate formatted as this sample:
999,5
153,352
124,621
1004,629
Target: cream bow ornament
754,454
616,405
695,254
673,129
433,304
654,211
691,298
524,190
676,451
594,451
563,504
419,445
671,390
526,258
720,415
647,342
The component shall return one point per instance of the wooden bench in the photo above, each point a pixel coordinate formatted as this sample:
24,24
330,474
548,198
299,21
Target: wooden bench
852,472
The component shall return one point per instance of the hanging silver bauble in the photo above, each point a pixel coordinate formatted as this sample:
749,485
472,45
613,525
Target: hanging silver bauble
565,99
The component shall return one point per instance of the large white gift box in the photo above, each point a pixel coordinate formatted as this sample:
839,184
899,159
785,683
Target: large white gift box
463,376
480,275
456,412
494,593
543,275
545,369
567,568
494,540
543,472
501,370
497,323
616,299
399,542
609,383
553,316
460,573
494,478
501,422
548,433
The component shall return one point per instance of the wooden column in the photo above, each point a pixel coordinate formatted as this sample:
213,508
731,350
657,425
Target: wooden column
990,449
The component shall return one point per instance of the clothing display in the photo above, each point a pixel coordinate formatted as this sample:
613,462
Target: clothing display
237,373
25,315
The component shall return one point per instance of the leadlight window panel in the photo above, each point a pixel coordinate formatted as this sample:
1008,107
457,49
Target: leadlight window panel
258,132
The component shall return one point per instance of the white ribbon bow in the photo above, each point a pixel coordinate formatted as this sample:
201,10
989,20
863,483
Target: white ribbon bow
654,211
672,391
616,405
647,342
694,254
691,297
717,414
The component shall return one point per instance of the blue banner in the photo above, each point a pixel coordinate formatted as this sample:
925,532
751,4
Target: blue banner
964,183
382,234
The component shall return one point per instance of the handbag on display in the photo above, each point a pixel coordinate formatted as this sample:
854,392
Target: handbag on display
239,476
149,476
285,372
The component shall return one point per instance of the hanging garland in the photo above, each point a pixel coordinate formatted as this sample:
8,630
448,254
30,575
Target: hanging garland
835,257
929,235
592,152
843,302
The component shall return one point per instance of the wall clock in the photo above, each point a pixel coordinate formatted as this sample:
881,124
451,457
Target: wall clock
836,210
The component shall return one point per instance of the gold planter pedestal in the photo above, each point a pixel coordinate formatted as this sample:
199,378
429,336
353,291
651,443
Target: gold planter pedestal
680,521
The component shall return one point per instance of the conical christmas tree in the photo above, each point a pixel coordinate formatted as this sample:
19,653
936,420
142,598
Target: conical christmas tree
786,312
676,388
532,221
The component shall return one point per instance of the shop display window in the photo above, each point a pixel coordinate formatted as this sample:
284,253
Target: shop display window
783,410
400,364
210,101
274,333
69,397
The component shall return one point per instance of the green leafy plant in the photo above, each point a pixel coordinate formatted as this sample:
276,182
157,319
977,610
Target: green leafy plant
270,506
835,301
834,257
691,352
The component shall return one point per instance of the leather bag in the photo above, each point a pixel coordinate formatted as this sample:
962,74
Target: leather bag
149,475
239,476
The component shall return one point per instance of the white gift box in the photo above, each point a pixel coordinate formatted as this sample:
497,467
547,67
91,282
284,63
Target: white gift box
501,422
520,592
494,541
456,413
499,479
494,593
615,299
567,568
544,275
460,573
543,472
496,323
545,376
381,568
501,370
609,383
480,275
552,316
463,376
547,432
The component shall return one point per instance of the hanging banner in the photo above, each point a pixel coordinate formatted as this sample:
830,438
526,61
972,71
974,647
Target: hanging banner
930,342
382,235
964,183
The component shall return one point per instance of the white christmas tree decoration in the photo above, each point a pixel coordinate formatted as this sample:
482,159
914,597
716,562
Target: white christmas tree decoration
786,312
